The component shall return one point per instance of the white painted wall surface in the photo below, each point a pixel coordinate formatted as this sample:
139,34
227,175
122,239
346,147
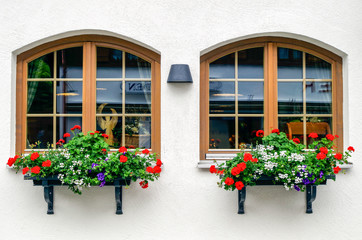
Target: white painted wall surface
186,202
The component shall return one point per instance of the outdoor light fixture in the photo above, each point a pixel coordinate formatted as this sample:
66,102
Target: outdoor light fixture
179,73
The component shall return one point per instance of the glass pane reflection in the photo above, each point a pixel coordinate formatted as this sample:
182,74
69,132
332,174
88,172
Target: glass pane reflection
40,97
69,97
138,97
320,125
222,132
290,97
292,126
40,132
251,97
109,97
112,126
109,63
70,63
222,97
138,132
290,64
250,63
319,97
64,124
41,67
248,126
317,68
223,67
136,67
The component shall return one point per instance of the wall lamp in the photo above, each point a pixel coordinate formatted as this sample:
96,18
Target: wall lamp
179,73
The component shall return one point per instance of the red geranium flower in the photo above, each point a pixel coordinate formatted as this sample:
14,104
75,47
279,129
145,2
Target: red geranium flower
338,156
213,169
35,170
276,131
248,157
336,136
145,151
336,169
46,163
330,137
105,135
321,156
350,148
323,150
149,169
61,141
296,140
34,156
144,184
157,169
159,163
96,131
260,133
104,150
239,185
313,135
131,146
91,133
123,158
25,170
220,171
241,166
229,181
122,149
11,161
76,127
254,160
66,135
235,171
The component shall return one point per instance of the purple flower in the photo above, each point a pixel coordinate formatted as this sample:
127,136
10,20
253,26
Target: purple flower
100,176
102,184
321,174
315,179
297,188
310,175
306,181
106,159
298,174
94,165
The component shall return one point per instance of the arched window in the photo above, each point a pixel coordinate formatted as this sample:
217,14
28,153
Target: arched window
266,83
100,83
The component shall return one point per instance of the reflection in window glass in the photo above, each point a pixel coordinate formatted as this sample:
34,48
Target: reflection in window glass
40,97
64,124
290,64
251,97
292,126
136,67
109,63
250,63
222,132
223,68
317,68
138,132
39,132
222,97
112,126
290,97
70,63
109,97
320,125
41,67
69,97
138,97
248,126
319,97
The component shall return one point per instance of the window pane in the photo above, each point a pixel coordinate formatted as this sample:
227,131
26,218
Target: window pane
319,97
109,97
223,67
247,130
222,97
64,124
40,97
250,63
320,125
109,63
292,126
70,62
138,97
136,67
251,97
317,68
40,132
138,132
41,67
112,126
290,97
69,97
290,64
222,132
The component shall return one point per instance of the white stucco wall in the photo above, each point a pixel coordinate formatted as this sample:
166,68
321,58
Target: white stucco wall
186,202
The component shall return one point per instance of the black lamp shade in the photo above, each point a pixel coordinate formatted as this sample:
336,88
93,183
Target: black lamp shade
179,73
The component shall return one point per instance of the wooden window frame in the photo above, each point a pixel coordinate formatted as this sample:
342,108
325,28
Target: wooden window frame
89,44
270,45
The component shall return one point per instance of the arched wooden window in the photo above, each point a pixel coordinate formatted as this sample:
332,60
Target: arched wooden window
266,83
101,83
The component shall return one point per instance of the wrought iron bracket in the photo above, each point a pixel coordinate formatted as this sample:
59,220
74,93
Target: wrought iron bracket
310,194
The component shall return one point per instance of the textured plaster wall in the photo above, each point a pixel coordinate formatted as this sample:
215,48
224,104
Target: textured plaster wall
185,203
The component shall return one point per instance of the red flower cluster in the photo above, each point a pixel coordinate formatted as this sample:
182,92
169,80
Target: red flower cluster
35,170
104,150
46,163
239,168
11,161
323,150
122,149
213,169
155,169
123,159
330,137
60,142
248,157
25,170
260,133
144,184
321,156
105,135
239,185
145,151
276,131
34,156
313,135
91,133
159,163
66,135
75,127
336,169
296,140
338,156
229,181
350,148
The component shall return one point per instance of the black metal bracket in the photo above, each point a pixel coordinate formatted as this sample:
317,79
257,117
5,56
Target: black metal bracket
241,198
118,195
310,194
49,196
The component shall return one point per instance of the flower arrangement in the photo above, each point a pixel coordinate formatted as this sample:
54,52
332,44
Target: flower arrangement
288,161
85,161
